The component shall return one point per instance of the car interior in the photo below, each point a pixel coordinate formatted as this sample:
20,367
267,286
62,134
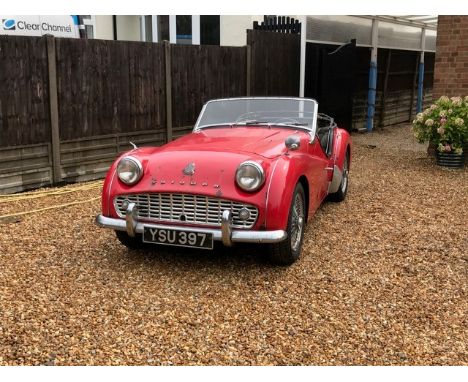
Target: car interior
325,127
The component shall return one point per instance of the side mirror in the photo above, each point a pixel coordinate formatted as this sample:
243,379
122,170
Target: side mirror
293,142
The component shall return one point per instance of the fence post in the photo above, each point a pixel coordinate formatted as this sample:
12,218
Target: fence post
415,84
249,68
167,56
383,98
53,101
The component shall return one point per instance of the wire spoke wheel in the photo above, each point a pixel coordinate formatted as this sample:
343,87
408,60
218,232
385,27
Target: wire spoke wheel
288,251
297,222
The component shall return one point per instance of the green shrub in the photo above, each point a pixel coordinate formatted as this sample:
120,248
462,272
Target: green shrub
444,124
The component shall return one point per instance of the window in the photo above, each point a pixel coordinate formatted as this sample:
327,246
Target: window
148,28
163,28
89,31
209,30
184,29
88,22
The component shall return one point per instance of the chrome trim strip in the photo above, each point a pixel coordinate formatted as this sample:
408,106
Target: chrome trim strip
109,201
268,190
236,236
195,128
314,122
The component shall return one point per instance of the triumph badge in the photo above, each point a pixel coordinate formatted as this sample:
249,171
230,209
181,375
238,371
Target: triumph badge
189,169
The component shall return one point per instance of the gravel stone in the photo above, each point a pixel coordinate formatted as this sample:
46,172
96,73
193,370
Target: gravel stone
382,280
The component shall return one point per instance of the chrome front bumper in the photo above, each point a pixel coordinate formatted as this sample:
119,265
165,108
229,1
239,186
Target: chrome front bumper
226,234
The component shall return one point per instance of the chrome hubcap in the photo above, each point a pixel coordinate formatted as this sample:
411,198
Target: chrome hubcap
344,182
297,222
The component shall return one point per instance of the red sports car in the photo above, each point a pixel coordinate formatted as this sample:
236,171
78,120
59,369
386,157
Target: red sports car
253,170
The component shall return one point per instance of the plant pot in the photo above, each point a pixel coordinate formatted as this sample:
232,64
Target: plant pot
450,159
431,149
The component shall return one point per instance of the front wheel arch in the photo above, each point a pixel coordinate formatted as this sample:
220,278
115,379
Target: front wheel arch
305,185
342,191
288,251
287,174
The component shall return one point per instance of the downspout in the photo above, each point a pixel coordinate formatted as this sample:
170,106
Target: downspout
419,106
303,56
114,26
371,95
372,78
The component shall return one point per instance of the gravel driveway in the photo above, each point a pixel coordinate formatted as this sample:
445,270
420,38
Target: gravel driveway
382,280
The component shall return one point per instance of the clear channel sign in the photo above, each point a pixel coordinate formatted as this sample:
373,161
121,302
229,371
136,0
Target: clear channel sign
59,26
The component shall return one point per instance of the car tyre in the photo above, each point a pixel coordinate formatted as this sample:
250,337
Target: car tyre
130,242
287,251
340,195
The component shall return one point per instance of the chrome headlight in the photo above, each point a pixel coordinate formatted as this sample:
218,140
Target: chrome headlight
129,170
250,176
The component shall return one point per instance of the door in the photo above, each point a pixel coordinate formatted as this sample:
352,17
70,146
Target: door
318,174
330,74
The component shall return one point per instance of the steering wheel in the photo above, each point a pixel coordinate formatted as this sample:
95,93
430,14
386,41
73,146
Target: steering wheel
286,120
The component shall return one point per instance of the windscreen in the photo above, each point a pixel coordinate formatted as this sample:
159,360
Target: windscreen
283,112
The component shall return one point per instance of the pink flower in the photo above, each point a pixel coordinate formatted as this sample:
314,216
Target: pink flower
441,130
448,148
443,121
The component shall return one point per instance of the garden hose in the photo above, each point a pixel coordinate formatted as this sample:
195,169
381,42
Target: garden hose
48,208
36,195
52,192
53,189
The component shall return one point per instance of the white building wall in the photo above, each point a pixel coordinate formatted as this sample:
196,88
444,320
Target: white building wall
233,29
104,27
128,28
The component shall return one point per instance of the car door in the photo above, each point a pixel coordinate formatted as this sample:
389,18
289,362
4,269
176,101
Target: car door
318,173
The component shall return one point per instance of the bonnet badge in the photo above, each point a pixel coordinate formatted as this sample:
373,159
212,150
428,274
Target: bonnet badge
189,169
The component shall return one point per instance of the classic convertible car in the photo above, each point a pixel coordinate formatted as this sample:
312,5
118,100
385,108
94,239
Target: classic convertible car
253,170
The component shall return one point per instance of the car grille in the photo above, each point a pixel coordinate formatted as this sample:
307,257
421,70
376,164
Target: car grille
187,208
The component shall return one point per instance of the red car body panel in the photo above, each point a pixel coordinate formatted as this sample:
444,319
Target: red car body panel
217,153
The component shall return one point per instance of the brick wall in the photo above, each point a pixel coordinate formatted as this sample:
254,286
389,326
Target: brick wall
451,59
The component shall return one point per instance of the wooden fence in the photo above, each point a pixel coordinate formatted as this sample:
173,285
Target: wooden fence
396,95
68,107
275,63
281,24
203,72
24,91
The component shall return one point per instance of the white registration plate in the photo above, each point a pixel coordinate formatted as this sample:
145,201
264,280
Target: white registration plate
178,237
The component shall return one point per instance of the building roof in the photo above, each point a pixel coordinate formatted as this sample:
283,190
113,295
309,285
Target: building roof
425,21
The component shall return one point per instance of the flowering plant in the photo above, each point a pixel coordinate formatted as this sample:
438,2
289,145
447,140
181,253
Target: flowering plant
444,124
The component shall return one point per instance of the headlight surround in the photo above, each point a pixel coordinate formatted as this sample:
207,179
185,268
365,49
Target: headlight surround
129,170
250,176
